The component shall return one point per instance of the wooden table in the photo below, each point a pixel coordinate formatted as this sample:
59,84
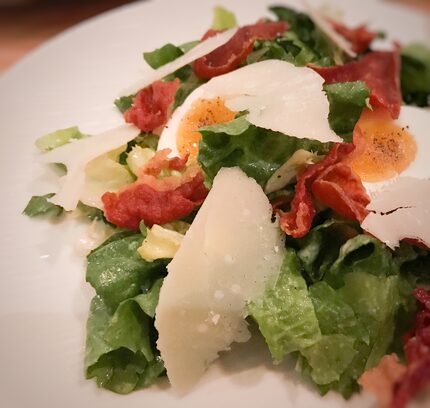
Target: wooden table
24,28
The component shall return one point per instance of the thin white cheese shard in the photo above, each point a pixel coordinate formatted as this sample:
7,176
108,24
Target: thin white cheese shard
200,50
401,210
276,94
77,154
229,254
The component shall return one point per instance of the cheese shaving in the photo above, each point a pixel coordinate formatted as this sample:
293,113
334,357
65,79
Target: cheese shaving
401,210
200,50
229,254
77,154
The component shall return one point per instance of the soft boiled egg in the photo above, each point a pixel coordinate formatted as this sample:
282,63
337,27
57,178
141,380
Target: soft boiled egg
386,149
275,94
391,157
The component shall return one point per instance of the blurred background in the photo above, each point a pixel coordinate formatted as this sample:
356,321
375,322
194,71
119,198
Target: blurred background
25,24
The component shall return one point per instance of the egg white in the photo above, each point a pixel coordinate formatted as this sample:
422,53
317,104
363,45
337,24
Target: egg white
277,95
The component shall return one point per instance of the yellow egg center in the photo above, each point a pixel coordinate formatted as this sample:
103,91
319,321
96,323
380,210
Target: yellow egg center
203,112
383,149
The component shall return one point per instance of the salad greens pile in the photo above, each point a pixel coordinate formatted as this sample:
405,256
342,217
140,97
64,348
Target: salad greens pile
341,297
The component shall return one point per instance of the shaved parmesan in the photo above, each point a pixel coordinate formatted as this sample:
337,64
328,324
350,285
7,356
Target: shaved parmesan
77,154
401,210
276,94
229,254
328,30
200,50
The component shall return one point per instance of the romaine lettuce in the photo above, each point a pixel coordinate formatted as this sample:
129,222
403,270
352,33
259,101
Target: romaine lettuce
120,347
285,314
258,152
39,206
116,270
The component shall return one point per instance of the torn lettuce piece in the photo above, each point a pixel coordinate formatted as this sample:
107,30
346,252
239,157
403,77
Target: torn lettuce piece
347,100
335,315
163,55
120,346
137,157
39,206
320,247
103,174
325,51
361,254
58,138
329,357
124,103
116,270
285,314
160,243
223,19
287,47
258,152
415,74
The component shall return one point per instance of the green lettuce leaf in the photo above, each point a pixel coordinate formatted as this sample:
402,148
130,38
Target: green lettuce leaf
189,82
58,138
39,206
347,101
320,247
258,152
116,270
223,19
361,254
324,50
415,74
120,345
330,357
285,314
288,47
124,103
335,315
161,56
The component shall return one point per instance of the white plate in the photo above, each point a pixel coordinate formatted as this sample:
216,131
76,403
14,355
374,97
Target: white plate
72,80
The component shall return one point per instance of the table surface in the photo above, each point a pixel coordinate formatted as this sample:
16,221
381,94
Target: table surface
23,28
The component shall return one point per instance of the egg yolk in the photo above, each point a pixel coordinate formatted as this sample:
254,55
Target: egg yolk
203,112
383,149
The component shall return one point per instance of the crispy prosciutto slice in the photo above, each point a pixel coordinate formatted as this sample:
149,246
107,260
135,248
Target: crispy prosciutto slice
339,188
154,199
233,53
151,105
332,183
380,70
359,37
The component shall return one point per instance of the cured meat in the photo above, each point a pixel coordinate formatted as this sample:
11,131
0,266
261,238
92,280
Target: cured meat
155,199
151,105
380,70
233,53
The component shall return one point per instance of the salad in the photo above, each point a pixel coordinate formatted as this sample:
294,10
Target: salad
270,175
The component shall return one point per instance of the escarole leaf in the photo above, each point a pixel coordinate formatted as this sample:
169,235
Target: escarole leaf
39,206
223,19
162,56
116,270
321,50
415,74
120,346
285,314
258,152
361,254
347,101
58,138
